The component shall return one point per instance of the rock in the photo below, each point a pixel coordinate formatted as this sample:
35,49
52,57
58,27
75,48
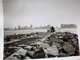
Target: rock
22,45
21,51
74,41
31,52
68,48
39,54
28,47
57,45
20,54
57,40
27,58
63,55
45,45
53,50
38,43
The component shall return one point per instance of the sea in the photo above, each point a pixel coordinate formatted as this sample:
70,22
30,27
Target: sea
72,30
11,32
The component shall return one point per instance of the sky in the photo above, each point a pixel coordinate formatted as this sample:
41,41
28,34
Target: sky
39,12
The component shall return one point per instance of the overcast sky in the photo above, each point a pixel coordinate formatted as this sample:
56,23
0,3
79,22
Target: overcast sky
39,12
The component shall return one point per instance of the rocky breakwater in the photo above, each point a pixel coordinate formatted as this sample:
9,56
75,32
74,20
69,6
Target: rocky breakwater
58,44
66,42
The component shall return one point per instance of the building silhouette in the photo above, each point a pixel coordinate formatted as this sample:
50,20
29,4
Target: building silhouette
68,26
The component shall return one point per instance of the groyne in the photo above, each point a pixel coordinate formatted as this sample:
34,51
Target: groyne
56,44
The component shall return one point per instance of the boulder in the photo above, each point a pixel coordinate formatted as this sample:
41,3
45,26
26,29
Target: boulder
62,55
21,52
57,45
68,48
28,47
53,50
45,45
39,54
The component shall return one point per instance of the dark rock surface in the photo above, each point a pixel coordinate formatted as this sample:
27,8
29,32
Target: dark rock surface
66,42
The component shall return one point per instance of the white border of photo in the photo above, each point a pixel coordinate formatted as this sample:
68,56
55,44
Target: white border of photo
1,30
2,34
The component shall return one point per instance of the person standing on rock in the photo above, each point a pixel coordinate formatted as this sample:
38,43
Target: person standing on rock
52,29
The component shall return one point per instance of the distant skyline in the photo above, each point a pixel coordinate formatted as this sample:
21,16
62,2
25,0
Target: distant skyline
39,12
28,26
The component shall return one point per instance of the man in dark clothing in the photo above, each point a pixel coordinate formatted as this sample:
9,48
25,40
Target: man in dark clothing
52,29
